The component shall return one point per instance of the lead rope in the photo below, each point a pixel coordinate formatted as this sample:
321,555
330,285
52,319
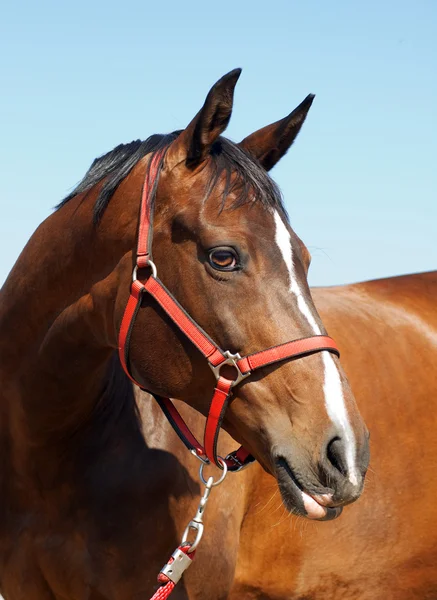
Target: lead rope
184,554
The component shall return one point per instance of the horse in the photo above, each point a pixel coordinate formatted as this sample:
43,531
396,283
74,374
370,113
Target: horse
87,511
384,547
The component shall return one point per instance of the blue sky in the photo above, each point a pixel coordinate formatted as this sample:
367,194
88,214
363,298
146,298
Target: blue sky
360,183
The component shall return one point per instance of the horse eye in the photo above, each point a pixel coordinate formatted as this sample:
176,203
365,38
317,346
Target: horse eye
223,259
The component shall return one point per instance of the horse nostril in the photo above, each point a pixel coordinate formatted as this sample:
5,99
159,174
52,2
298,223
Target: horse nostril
336,453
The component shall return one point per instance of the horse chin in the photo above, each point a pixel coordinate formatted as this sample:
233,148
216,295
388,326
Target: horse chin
297,501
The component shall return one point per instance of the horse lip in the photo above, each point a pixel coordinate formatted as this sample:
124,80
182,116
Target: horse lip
282,462
309,500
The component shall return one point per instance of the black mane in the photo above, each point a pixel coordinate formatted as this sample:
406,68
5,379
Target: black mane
251,184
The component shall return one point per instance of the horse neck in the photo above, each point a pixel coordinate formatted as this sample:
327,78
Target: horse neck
54,354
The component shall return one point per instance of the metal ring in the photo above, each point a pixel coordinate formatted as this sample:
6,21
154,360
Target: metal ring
218,482
150,264
232,360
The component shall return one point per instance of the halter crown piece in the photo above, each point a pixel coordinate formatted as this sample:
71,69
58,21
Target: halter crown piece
214,355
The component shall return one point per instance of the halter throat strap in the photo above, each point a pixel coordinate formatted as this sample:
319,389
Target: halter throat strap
214,355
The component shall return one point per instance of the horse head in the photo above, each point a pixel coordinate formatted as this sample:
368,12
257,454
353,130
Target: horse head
224,249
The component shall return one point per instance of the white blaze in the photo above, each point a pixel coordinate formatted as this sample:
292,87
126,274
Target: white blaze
332,387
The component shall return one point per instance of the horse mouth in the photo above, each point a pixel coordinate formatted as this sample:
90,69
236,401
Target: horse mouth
299,501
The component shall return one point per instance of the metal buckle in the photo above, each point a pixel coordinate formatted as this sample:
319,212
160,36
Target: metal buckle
231,359
238,463
150,264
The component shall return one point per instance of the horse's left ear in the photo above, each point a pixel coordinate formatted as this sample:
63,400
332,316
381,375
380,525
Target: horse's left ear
270,143
194,143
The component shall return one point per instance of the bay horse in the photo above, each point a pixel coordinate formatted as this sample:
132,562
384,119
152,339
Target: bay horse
87,511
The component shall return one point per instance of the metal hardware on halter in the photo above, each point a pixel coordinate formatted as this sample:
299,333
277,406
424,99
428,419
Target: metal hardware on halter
196,522
175,567
214,483
150,264
231,359
205,460
240,465
198,527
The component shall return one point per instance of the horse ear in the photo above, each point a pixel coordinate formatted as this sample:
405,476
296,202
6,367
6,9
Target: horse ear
194,143
270,143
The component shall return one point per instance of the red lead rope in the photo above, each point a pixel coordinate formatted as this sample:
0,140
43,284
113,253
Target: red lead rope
164,591
167,584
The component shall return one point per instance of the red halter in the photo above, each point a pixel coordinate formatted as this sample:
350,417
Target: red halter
215,356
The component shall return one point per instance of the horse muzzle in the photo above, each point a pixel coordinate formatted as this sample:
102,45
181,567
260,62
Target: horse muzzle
301,495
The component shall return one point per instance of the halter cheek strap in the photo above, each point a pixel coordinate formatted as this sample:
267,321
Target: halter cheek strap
214,355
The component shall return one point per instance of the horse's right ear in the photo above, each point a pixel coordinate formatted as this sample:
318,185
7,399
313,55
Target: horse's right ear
269,144
194,143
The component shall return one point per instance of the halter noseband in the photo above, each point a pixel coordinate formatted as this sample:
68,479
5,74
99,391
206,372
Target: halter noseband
215,356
